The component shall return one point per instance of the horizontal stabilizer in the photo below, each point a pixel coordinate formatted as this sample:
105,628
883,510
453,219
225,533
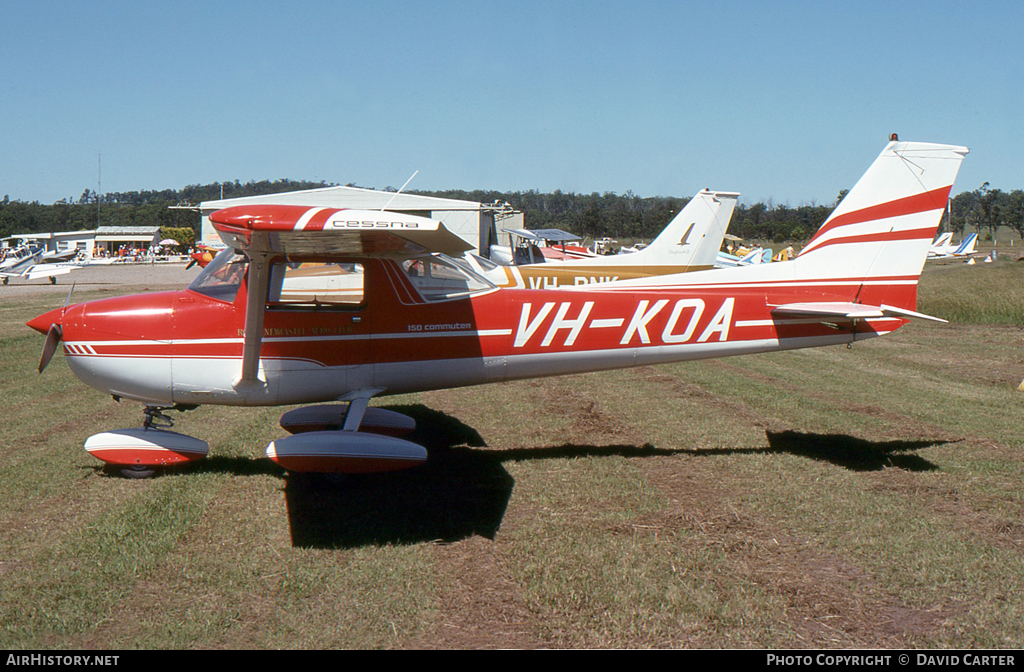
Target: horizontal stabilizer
900,312
850,311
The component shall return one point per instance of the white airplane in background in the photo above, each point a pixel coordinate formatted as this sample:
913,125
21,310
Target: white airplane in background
690,242
758,255
10,256
949,251
940,245
557,245
60,256
29,264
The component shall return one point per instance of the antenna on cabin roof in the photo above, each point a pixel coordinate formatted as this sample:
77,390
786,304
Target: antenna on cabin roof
399,191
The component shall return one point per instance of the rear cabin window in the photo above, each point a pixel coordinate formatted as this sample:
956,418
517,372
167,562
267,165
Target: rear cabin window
315,285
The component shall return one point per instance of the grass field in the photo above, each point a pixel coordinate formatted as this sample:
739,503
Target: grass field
864,497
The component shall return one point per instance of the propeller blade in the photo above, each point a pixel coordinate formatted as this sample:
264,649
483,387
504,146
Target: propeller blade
53,338
70,292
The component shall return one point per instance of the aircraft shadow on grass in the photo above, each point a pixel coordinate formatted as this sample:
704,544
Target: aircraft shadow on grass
458,493
461,491
842,450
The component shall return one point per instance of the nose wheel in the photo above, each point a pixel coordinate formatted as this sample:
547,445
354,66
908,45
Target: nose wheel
139,452
138,471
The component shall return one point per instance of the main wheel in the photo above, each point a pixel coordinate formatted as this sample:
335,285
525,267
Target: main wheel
138,471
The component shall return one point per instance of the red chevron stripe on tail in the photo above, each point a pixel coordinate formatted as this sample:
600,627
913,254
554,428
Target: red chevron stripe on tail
884,227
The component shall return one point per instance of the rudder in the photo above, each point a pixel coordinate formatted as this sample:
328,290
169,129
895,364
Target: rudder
882,230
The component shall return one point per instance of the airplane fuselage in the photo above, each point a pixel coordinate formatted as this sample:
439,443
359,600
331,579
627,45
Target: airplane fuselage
186,347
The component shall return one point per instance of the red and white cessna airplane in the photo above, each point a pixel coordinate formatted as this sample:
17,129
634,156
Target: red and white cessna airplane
312,305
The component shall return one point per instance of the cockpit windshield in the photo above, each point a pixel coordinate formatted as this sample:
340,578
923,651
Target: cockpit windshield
222,277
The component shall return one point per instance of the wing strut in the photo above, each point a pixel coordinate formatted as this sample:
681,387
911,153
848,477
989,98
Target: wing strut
357,402
255,306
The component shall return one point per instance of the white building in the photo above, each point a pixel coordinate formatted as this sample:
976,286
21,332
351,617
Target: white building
106,240
112,238
55,242
472,221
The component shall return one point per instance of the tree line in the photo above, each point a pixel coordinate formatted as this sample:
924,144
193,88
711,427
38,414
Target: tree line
593,215
987,209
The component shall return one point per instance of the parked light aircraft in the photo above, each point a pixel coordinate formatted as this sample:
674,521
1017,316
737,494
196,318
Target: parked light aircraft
940,245
758,255
10,255
30,264
942,248
690,242
60,256
203,255
537,245
315,306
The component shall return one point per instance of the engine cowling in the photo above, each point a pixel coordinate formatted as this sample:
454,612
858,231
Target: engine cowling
341,452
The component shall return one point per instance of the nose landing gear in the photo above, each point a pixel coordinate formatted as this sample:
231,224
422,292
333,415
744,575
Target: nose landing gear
139,451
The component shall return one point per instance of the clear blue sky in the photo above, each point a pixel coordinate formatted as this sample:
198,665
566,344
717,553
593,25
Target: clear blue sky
789,101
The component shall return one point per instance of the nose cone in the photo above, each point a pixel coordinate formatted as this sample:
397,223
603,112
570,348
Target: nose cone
120,345
43,322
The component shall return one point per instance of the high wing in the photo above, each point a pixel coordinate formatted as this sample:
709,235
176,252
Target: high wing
544,235
265,232
526,247
296,230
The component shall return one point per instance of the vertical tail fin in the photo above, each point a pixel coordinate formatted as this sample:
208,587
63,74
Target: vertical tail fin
940,245
881,232
695,235
966,246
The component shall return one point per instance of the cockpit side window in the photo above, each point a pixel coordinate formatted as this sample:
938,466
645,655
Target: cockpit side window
222,277
316,285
